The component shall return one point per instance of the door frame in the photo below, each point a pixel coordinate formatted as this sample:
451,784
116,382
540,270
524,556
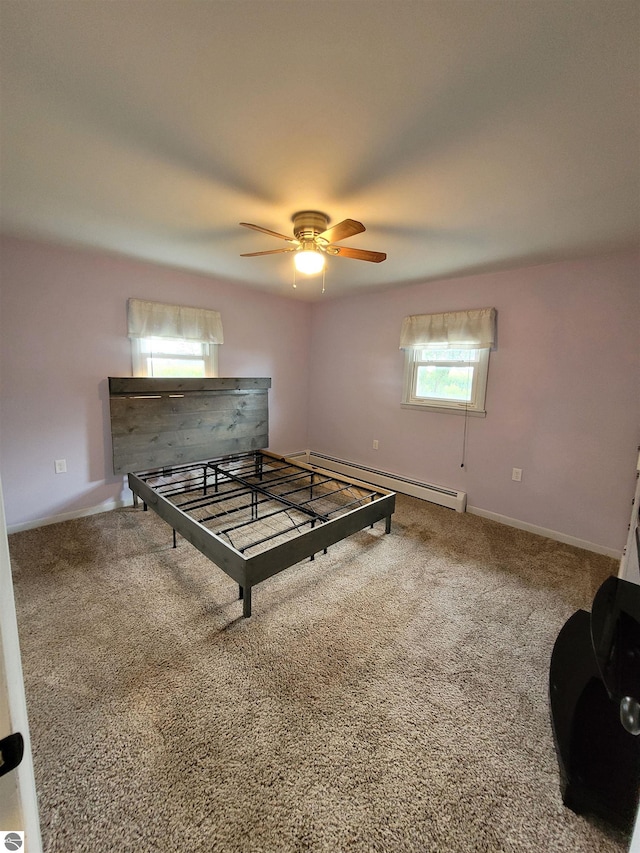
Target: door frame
18,799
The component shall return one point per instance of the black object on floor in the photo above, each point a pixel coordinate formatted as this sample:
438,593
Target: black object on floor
594,697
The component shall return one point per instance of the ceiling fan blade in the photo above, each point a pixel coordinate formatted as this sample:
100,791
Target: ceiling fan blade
358,254
342,230
266,231
268,252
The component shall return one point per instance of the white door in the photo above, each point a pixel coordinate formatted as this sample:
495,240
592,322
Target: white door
18,803
635,840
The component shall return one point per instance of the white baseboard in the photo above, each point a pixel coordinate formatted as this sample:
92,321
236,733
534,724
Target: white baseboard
106,506
544,531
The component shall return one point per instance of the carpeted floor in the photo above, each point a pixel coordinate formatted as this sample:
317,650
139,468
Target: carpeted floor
389,696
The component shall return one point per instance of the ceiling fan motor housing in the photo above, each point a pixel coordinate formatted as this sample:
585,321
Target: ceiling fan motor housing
307,224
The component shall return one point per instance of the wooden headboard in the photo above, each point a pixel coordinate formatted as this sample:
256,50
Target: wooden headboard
162,422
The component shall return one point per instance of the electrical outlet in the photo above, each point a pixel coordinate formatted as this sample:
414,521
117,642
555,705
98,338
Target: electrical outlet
516,474
375,443
61,466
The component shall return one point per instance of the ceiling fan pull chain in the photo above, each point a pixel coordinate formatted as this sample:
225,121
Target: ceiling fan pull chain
324,270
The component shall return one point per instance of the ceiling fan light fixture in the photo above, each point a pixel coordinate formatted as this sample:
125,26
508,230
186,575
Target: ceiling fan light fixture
309,260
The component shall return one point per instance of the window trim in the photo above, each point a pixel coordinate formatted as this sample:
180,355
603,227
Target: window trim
477,408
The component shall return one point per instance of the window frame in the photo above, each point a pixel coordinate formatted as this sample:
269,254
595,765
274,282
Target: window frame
474,407
139,359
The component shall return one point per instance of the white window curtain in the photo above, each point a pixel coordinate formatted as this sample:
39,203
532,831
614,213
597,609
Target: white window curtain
155,319
460,329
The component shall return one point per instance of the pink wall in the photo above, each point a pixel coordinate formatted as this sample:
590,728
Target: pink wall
563,399
63,332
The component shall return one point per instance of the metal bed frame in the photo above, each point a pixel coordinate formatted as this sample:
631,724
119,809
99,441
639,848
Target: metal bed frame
256,514
253,513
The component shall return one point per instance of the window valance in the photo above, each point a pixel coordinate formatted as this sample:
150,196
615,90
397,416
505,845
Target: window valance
155,319
474,329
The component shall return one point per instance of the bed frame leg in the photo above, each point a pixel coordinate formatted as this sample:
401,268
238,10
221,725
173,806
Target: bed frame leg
245,597
388,525
175,544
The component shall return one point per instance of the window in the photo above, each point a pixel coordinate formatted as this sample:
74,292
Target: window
447,360
156,356
443,377
173,340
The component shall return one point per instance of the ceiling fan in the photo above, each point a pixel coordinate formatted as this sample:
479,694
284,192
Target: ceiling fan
313,239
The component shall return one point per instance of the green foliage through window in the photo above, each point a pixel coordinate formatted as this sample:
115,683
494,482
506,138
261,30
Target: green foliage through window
444,383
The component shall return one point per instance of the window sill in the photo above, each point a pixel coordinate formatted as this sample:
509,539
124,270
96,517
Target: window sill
471,413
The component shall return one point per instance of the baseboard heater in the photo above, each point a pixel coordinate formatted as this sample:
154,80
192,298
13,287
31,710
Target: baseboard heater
449,498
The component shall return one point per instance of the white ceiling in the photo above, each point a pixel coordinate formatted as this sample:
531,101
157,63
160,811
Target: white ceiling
466,136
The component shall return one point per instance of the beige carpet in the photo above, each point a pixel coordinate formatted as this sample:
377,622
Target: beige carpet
389,696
